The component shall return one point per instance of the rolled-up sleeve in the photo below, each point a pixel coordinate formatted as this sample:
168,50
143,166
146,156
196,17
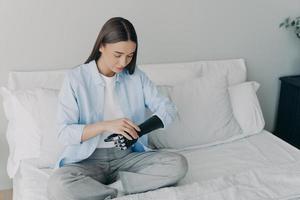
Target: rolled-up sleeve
160,105
70,131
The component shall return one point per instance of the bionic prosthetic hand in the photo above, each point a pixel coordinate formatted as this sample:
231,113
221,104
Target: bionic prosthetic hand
147,126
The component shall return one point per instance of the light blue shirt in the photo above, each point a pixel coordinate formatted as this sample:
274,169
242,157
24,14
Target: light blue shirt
81,102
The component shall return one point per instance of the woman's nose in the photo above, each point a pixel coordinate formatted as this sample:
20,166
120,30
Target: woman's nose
123,61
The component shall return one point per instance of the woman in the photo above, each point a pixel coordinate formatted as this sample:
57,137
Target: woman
109,95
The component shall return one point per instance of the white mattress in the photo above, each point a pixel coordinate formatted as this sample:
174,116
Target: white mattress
256,151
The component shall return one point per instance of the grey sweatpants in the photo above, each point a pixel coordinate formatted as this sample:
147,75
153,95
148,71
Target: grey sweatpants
138,172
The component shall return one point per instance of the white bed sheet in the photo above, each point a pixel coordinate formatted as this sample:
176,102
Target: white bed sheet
256,151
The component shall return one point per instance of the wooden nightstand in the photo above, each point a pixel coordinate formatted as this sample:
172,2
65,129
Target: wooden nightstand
288,115
6,194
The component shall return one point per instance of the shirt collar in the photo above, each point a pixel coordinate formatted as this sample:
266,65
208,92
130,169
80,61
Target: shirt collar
98,79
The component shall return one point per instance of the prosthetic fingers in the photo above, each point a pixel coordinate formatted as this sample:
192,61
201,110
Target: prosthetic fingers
147,126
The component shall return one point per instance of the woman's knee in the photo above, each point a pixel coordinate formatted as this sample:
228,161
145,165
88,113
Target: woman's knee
177,165
182,165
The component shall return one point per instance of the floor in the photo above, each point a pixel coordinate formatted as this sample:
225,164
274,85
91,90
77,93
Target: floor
6,194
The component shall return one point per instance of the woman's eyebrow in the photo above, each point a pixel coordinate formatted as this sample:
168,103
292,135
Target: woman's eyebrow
122,52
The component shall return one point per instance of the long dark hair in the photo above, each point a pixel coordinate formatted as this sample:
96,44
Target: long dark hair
116,29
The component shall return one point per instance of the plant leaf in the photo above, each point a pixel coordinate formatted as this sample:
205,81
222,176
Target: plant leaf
281,24
287,20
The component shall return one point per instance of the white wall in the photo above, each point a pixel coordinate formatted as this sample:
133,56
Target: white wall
37,35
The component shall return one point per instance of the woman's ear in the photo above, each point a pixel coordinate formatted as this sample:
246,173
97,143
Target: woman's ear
101,49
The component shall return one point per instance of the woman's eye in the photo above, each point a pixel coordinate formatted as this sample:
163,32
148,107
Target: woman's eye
119,56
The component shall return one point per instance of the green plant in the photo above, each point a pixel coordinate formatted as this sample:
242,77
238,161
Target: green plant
292,24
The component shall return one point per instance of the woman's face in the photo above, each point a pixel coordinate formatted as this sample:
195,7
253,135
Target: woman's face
116,56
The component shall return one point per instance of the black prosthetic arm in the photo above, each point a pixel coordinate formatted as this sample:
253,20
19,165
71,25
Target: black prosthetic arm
147,126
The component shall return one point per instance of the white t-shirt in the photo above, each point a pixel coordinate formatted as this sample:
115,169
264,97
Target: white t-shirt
112,109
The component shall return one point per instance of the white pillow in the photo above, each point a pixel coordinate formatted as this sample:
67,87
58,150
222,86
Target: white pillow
205,114
32,130
246,108
22,134
46,120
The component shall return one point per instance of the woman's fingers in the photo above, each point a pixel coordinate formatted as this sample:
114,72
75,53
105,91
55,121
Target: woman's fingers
126,135
132,124
125,127
131,131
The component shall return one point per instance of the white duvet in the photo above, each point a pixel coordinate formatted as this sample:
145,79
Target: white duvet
256,167
270,182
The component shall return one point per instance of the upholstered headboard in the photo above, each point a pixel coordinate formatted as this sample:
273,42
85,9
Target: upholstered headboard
161,74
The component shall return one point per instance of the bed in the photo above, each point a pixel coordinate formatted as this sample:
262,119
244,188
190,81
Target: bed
255,165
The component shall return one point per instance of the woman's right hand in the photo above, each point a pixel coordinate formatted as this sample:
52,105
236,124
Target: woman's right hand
123,126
